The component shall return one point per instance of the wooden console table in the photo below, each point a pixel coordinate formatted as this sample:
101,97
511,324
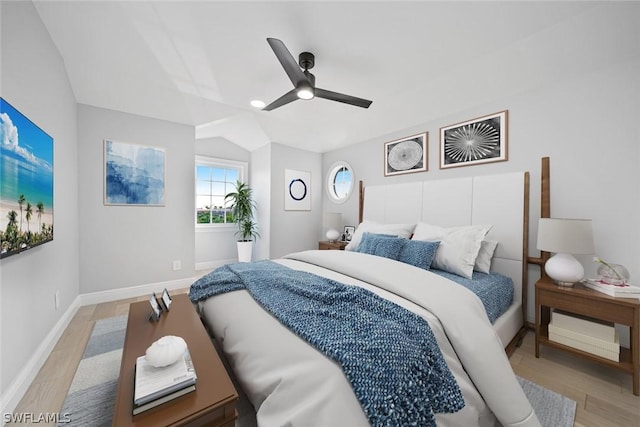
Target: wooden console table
212,403
579,299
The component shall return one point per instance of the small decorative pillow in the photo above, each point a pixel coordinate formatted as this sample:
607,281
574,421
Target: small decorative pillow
399,230
369,240
418,253
459,246
483,262
383,245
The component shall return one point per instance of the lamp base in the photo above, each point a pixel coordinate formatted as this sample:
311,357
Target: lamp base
564,269
563,284
332,235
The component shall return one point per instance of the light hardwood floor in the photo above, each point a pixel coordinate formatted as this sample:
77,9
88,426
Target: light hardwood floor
603,395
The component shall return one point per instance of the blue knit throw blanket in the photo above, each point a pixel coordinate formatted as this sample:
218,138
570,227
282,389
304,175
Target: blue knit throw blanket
389,354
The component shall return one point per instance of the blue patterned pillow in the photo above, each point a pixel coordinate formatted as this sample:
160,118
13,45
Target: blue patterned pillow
383,245
368,239
418,253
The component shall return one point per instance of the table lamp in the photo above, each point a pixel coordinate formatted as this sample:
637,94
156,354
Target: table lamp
565,238
332,222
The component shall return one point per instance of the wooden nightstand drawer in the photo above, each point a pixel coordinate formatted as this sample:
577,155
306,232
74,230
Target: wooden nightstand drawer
336,246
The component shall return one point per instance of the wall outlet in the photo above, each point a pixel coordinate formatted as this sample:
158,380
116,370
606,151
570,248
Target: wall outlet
177,265
56,299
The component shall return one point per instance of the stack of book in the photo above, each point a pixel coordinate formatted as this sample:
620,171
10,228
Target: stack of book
624,290
155,386
586,334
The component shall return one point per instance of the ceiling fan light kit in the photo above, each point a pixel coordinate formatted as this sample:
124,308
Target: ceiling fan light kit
303,81
305,91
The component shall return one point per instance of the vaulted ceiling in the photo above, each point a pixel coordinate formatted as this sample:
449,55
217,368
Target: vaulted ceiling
201,62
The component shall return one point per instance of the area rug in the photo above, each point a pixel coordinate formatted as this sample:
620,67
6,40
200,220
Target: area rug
552,409
91,397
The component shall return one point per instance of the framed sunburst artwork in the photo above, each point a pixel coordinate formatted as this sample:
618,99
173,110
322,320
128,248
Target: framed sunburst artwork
406,155
476,141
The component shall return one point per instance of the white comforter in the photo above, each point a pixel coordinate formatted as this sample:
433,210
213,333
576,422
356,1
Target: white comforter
290,383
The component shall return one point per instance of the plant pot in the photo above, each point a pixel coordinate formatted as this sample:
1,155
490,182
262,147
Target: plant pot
245,250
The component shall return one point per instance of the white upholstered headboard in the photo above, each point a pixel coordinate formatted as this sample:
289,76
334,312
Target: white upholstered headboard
500,200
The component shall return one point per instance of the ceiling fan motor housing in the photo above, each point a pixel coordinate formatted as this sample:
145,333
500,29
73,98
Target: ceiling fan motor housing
306,60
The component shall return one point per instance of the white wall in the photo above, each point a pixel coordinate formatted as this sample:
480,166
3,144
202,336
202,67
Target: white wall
260,181
283,232
126,246
293,231
586,122
34,81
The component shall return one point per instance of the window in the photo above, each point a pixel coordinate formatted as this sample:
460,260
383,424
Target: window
215,178
340,181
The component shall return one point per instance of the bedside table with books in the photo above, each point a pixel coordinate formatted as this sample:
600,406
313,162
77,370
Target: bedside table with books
580,320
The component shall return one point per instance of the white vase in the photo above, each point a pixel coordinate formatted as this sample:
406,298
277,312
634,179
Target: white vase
245,250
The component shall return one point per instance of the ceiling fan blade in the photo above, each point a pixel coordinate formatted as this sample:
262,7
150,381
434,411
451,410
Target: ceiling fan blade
293,70
283,100
341,97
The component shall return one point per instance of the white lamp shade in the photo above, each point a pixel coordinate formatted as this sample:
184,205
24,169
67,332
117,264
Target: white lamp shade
567,236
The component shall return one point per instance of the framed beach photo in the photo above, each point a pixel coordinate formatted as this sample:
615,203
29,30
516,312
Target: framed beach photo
26,183
476,141
133,174
406,155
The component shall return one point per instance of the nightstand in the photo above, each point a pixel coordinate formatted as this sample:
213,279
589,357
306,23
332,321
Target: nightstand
336,246
581,300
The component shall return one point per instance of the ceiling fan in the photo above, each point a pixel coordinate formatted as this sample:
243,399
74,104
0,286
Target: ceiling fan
303,81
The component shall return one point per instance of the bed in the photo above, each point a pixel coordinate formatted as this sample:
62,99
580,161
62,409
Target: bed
291,382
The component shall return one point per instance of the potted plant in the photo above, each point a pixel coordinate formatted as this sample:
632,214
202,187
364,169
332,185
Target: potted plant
242,210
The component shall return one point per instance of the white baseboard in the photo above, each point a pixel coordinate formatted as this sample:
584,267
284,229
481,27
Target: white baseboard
20,385
16,391
134,291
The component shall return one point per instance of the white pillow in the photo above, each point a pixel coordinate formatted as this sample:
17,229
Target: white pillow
459,246
483,262
400,230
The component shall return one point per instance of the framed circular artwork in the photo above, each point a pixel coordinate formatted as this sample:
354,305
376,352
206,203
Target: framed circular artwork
297,190
476,141
406,155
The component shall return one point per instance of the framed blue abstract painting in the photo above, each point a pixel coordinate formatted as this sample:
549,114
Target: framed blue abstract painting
26,183
133,174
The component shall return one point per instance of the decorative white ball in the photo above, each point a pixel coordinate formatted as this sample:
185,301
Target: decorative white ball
165,351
